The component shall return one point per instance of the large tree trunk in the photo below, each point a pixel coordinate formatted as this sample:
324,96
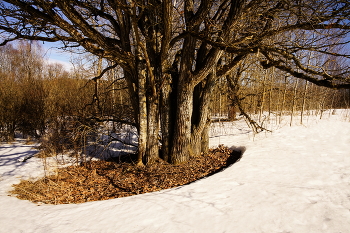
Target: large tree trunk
201,116
182,132
192,121
168,108
152,149
148,126
199,122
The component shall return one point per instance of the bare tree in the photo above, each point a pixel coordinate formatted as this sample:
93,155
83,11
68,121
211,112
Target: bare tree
169,50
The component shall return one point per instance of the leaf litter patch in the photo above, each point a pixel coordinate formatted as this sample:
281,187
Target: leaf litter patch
103,180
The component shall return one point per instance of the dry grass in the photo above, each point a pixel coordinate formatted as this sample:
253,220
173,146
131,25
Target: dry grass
102,180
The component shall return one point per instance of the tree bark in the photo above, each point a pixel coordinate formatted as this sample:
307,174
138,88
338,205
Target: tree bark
152,150
180,151
142,110
201,115
205,138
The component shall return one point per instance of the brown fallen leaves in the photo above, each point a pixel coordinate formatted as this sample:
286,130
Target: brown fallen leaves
102,180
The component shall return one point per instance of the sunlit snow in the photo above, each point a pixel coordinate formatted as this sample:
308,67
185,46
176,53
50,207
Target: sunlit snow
295,179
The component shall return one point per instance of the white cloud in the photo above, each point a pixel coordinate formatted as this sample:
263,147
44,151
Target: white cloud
66,65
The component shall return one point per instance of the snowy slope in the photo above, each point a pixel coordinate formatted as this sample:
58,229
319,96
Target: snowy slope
296,179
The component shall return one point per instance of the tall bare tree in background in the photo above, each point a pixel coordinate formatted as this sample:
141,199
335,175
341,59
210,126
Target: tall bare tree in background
173,52
22,92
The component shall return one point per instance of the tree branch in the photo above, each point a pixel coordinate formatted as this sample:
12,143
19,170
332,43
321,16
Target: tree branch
327,81
104,71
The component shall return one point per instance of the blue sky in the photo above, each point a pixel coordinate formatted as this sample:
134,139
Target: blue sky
55,55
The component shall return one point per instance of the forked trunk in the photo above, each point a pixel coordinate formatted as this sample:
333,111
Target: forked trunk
201,116
191,133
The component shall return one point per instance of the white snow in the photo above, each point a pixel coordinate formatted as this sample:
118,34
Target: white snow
296,179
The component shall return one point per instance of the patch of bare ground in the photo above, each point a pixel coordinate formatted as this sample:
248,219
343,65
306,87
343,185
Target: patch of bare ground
102,180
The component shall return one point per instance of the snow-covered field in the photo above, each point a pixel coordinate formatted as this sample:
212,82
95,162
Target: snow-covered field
296,179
